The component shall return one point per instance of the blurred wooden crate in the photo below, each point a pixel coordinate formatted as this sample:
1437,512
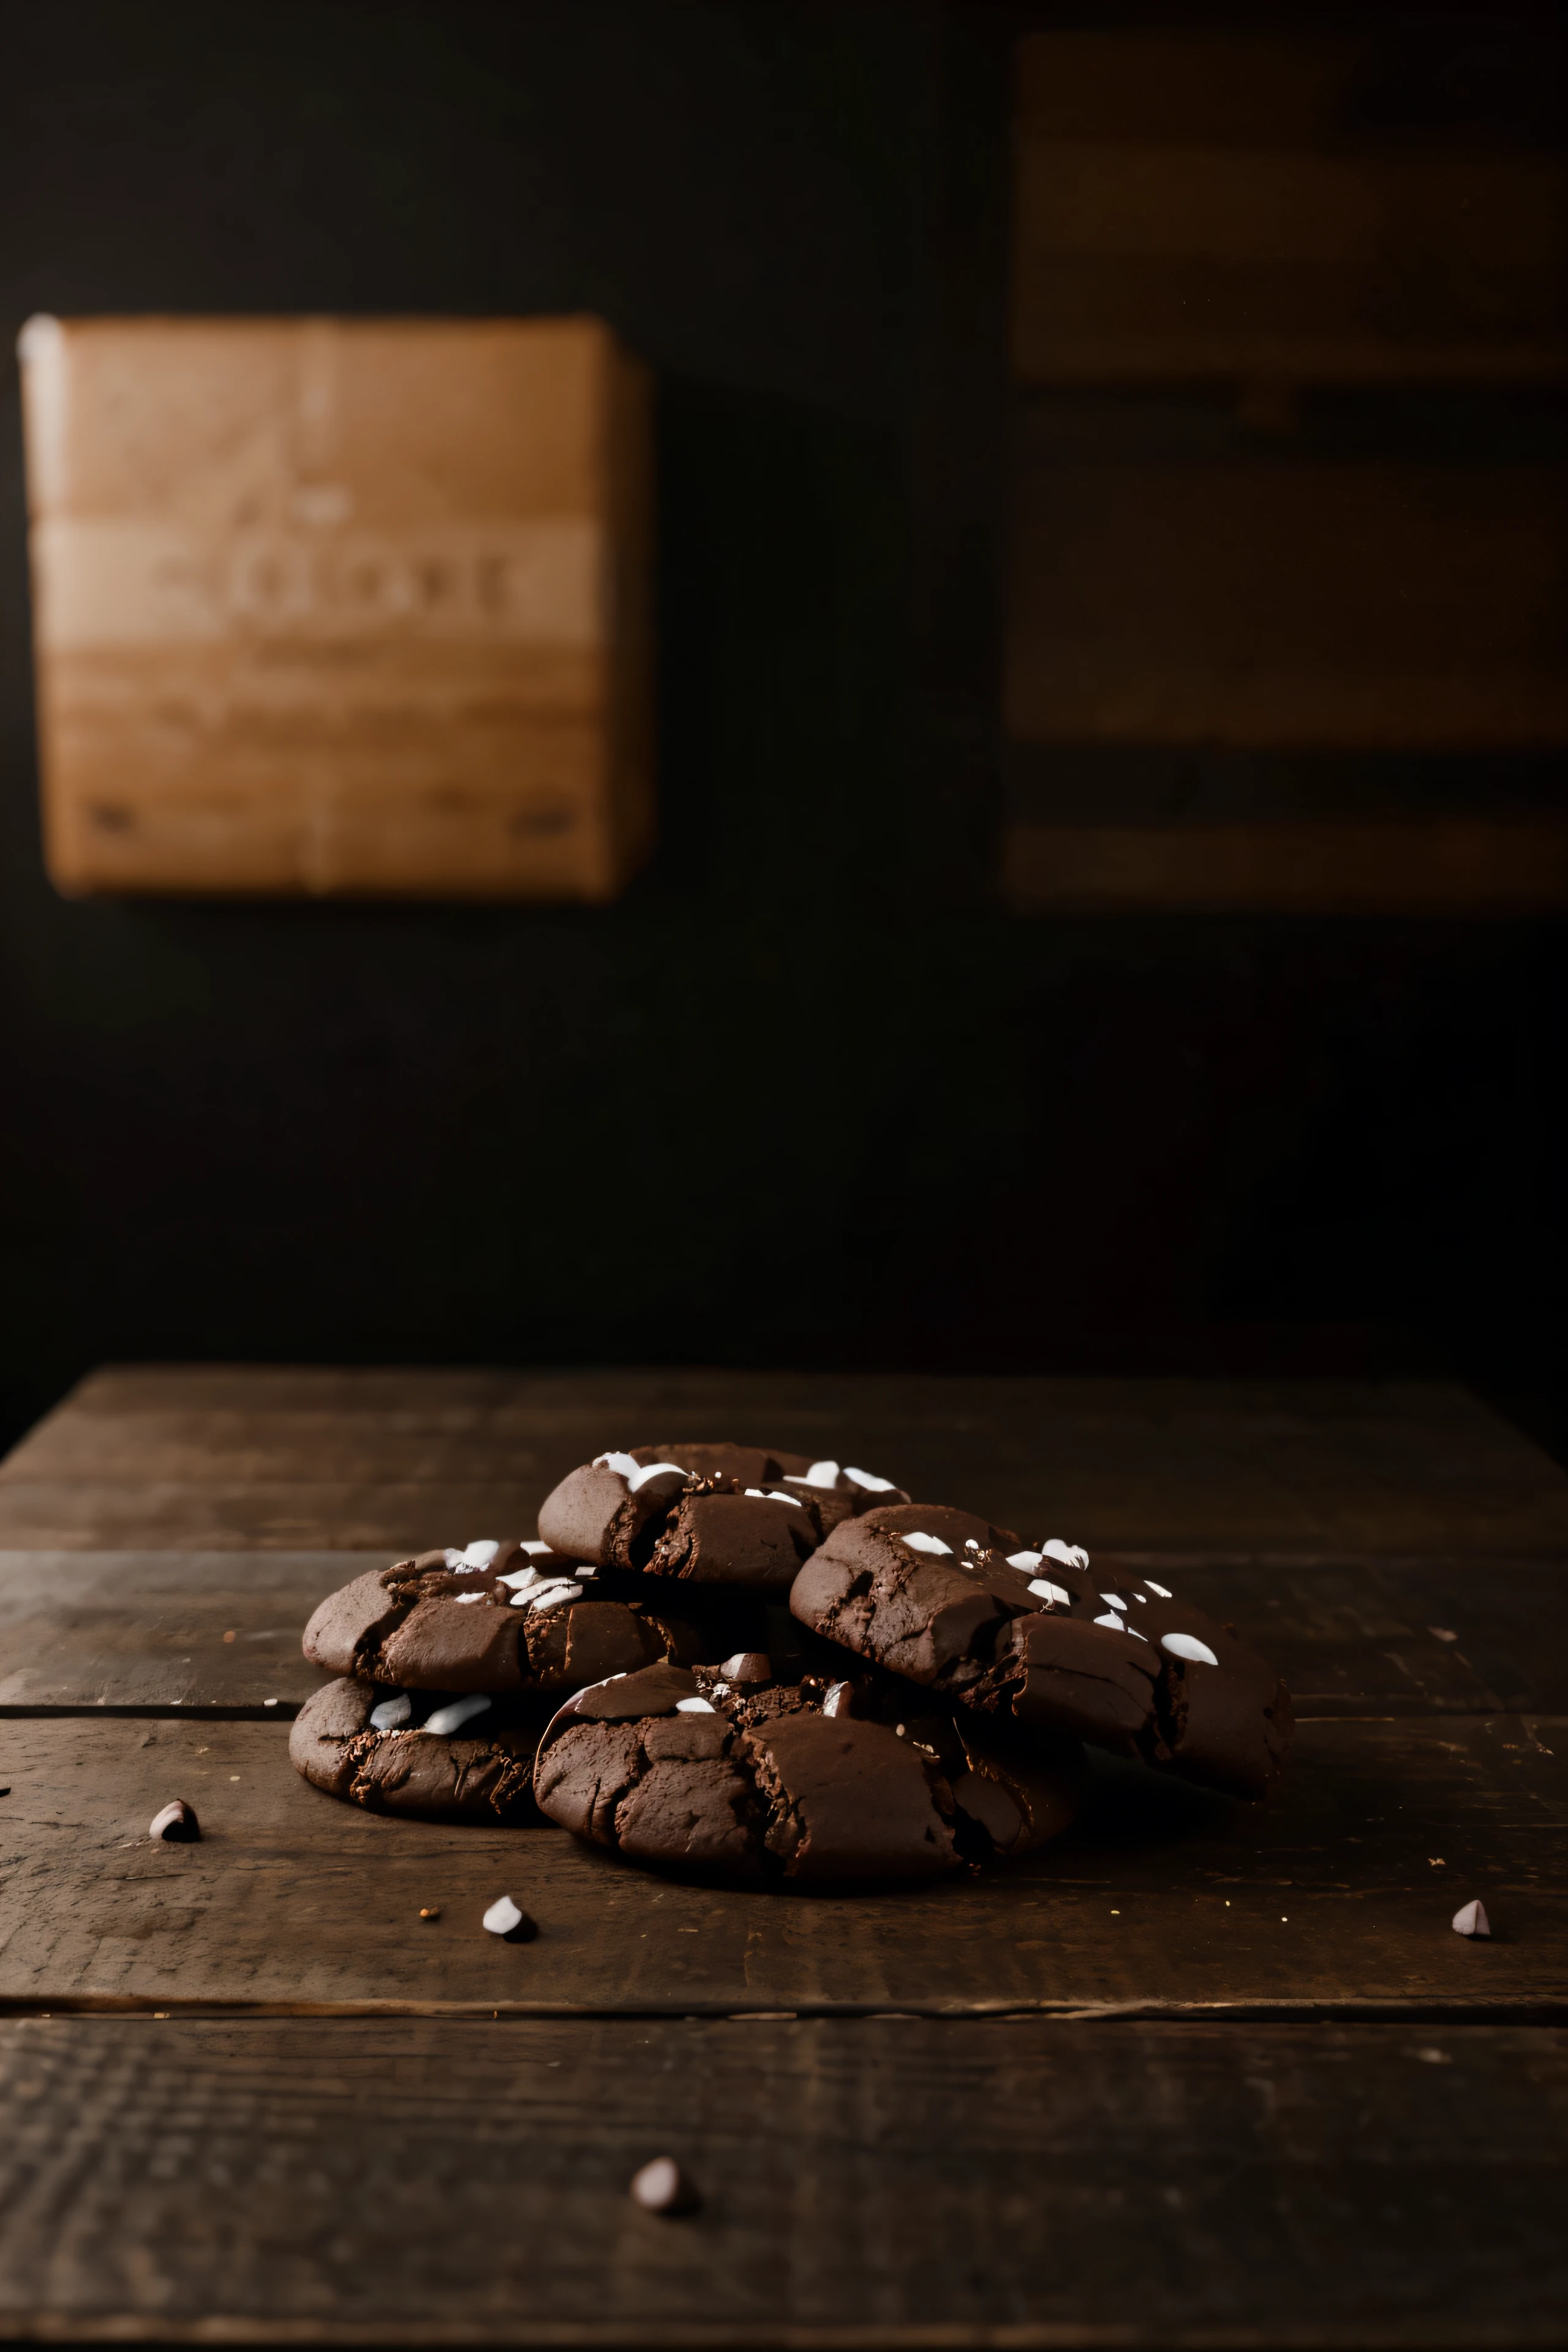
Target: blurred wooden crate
341,606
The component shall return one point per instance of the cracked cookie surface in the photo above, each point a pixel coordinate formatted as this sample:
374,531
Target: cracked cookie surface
1039,1637
811,1783
499,1617
708,1514
481,1770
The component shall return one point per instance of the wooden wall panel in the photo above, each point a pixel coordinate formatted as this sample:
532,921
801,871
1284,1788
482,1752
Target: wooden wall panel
1193,207
1276,602
1235,223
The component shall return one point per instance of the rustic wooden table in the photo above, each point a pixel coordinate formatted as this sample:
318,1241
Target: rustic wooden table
1201,2073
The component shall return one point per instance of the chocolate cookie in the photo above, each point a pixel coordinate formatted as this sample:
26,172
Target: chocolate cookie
499,1617
1037,1637
712,1514
415,1753
1152,1677
660,1518
722,1770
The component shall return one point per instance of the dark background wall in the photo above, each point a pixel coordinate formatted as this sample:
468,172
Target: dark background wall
807,1095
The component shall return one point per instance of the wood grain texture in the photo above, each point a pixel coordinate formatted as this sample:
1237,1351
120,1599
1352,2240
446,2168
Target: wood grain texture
1191,204
1145,262
220,1631
162,1630
1163,1898
866,2183
1288,602
210,1457
1473,864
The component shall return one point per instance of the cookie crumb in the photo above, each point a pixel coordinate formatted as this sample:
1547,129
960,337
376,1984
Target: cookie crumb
661,2187
431,1911
176,1824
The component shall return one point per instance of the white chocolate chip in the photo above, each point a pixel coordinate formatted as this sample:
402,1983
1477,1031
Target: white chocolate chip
623,1465
869,1480
661,2187
1160,1589
835,1699
1025,1559
1046,1591
455,1714
1113,1599
549,1596
970,1543
1115,1623
651,1470
534,1548
1070,1555
465,1563
821,1474
1472,1920
1187,1645
466,1600
772,1495
503,1916
391,1713
694,1707
524,1580
918,1542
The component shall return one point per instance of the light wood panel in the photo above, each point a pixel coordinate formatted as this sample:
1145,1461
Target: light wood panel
889,2184
1336,1897
341,606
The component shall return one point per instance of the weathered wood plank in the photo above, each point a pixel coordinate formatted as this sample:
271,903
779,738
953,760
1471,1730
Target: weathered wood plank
149,1628
1165,1897
1193,205
1167,261
1426,865
1303,602
215,1457
866,2183
391,1520
221,1630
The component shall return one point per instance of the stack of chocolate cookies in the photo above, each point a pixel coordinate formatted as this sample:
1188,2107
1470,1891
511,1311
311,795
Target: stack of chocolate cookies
717,1657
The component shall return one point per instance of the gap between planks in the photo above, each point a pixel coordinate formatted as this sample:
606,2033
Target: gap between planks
1486,2011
